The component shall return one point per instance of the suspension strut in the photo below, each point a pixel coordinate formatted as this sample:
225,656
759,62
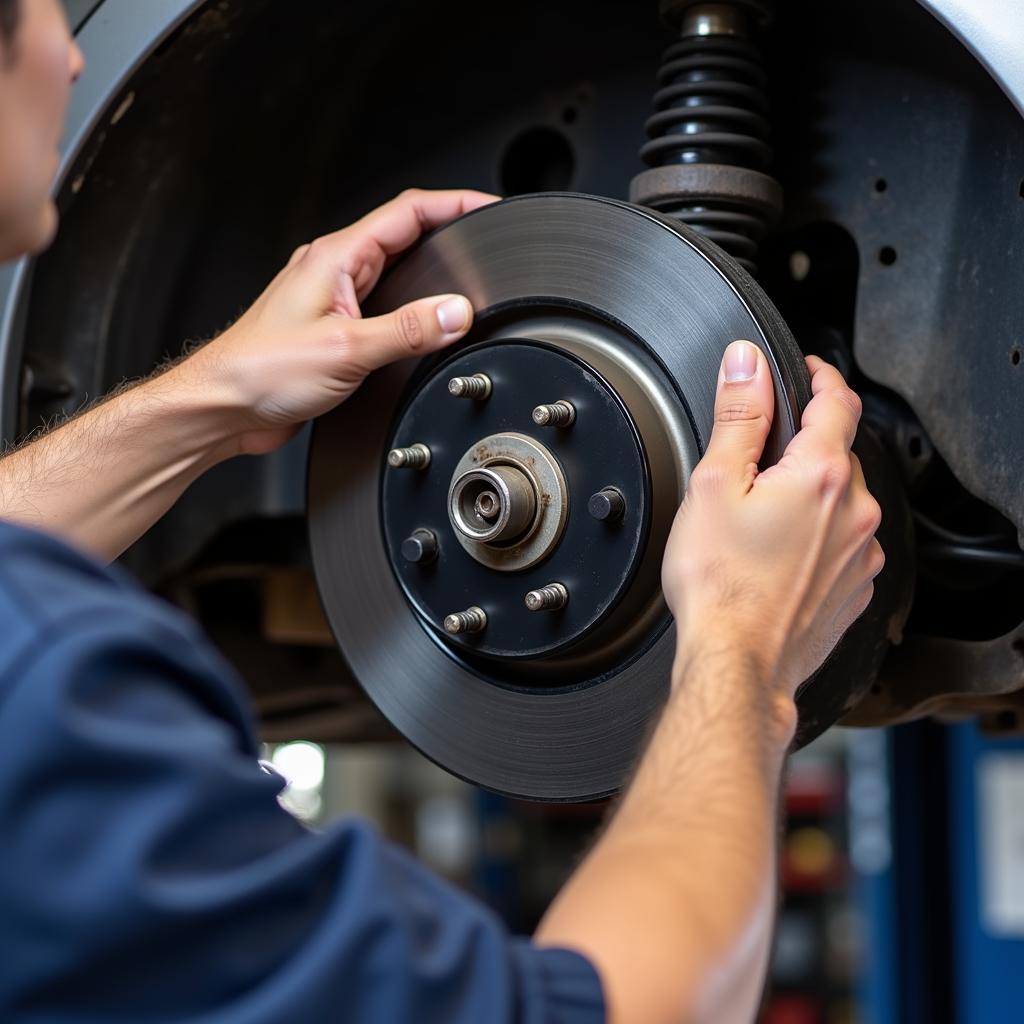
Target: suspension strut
708,154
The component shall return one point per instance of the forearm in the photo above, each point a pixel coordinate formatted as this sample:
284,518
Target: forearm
675,903
103,478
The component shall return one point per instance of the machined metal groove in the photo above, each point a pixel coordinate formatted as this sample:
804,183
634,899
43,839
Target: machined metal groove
494,503
477,387
472,620
552,597
557,414
416,456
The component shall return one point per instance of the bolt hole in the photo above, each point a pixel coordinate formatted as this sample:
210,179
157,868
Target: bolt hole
537,160
887,255
487,506
914,447
881,185
1015,357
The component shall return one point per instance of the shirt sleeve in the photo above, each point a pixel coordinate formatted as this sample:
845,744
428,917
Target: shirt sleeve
149,874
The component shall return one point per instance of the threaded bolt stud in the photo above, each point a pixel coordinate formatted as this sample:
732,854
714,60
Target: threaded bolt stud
415,457
547,599
472,620
558,414
477,387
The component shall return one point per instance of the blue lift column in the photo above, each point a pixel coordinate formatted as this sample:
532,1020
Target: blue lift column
986,788
937,845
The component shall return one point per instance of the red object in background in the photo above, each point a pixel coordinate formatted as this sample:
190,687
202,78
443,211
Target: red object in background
813,790
792,1010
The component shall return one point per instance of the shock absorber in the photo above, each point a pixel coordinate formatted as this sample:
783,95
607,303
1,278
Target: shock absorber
708,154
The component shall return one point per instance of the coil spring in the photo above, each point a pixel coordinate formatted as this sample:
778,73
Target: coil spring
710,125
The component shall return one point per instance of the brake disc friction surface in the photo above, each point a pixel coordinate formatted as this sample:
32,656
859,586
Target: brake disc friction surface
650,308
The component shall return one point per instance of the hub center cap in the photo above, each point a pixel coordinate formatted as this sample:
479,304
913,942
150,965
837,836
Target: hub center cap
508,501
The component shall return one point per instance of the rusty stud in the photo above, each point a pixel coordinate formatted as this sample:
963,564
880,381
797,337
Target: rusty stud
415,457
558,414
472,620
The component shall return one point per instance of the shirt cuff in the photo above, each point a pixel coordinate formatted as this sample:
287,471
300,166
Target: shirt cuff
558,986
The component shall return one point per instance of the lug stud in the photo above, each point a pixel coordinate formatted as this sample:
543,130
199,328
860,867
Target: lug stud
558,414
547,599
477,387
420,547
608,505
472,620
416,457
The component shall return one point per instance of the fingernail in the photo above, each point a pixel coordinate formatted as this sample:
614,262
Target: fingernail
740,362
453,315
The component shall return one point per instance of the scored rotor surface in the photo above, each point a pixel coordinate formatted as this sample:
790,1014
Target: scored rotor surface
671,299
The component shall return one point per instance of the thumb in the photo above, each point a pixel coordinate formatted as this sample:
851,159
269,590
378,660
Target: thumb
744,407
411,331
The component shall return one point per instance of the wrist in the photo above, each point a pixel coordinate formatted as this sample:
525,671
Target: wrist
734,643
206,415
734,679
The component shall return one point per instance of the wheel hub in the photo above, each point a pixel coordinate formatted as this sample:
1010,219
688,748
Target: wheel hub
508,501
509,508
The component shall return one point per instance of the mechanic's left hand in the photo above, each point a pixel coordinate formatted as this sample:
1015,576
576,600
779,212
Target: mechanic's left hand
303,347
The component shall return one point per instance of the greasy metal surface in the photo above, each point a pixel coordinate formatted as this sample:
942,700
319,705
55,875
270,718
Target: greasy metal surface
938,676
659,185
652,276
905,141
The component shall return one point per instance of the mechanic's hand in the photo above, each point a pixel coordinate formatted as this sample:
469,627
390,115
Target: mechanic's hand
303,346
775,564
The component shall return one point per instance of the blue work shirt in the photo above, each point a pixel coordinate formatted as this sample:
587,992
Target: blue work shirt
148,873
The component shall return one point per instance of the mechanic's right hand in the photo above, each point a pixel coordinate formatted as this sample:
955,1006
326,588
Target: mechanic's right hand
304,346
776,564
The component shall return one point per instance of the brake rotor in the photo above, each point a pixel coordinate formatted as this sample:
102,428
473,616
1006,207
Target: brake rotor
495,583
